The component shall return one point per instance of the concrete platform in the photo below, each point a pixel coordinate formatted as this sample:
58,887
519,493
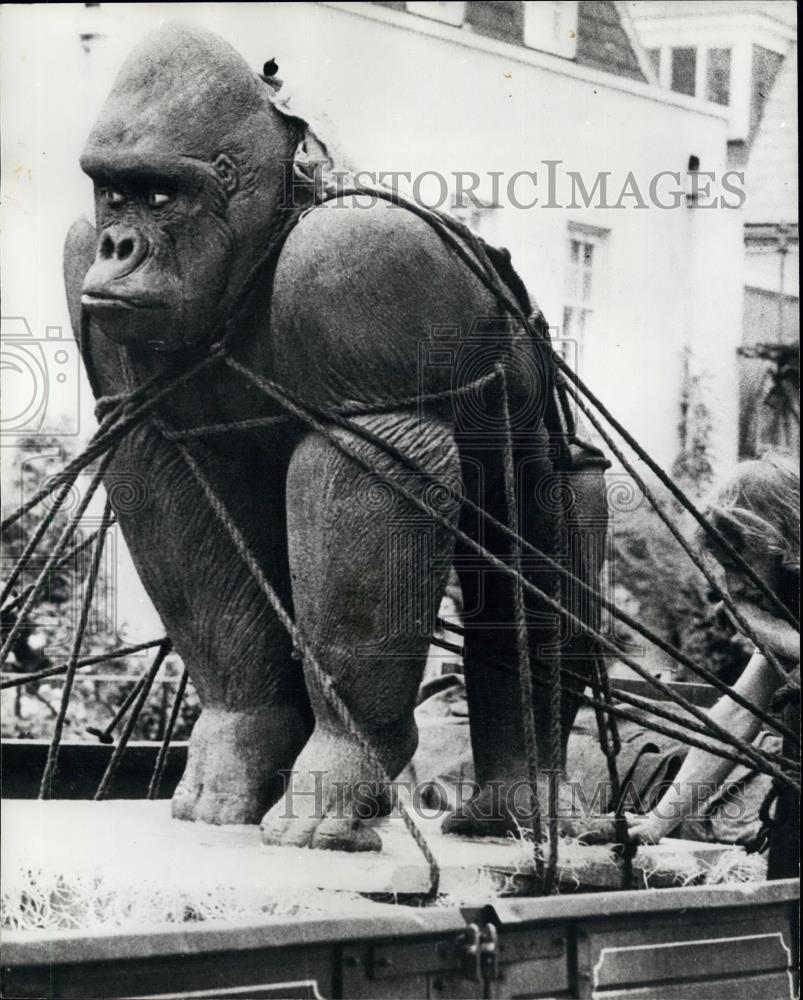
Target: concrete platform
129,843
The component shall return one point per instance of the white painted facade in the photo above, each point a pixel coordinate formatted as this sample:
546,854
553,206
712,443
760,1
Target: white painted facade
707,25
443,100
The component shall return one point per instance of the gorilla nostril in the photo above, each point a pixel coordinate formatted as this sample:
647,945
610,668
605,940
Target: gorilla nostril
107,247
125,248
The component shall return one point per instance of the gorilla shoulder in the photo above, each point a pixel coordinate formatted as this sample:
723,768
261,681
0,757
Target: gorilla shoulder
357,290
353,262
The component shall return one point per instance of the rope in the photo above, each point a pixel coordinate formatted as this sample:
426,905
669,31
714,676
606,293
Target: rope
647,633
555,701
720,749
20,680
105,735
34,540
611,744
208,429
106,438
272,390
322,678
524,669
53,558
46,787
65,559
490,278
67,474
613,712
483,269
279,393
716,536
648,705
131,721
643,630
678,536
607,694
358,409
449,646
118,422
161,759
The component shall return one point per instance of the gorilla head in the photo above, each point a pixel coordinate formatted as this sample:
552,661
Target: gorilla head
187,158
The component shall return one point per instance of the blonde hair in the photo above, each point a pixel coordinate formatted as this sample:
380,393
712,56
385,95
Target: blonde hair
758,508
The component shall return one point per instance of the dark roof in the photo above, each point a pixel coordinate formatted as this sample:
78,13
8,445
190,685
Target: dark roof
602,42
771,180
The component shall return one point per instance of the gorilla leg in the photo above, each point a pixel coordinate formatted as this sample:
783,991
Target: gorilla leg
368,569
255,715
491,658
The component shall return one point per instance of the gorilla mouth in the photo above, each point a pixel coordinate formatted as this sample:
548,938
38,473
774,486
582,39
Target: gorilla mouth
104,303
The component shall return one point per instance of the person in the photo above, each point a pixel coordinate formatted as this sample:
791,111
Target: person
758,511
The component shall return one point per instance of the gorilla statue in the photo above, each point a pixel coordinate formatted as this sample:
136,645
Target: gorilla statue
354,306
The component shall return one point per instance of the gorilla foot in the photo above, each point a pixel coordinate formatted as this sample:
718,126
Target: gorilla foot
232,774
590,829
486,815
330,798
492,813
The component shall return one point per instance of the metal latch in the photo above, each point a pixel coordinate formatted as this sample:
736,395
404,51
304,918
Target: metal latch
481,952
489,951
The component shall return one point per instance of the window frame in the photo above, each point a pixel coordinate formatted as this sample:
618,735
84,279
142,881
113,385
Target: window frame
575,302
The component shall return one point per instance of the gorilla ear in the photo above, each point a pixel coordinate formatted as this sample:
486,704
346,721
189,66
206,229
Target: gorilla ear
227,172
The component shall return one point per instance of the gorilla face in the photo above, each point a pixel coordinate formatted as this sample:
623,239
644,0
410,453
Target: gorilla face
164,250
188,160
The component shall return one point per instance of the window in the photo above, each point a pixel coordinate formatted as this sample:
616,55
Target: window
583,289
551,27
718,76
684,70
448,11
655,60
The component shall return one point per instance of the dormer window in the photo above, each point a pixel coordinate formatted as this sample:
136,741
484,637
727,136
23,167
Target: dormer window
718,76
551,27
684,70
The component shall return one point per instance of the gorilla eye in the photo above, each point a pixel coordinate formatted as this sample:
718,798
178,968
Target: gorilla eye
157,199
113,197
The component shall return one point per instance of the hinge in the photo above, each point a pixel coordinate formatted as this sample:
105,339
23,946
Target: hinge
481,952
472,957
489,951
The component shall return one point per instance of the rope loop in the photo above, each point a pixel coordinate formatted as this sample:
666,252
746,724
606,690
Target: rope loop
119,413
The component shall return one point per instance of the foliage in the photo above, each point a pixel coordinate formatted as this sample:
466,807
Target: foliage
29,711
657,583
692,469
655,575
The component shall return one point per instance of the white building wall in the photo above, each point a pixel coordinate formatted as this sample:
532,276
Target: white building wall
763,270
404,99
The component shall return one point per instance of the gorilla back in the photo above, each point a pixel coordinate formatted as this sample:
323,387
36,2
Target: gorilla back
362,308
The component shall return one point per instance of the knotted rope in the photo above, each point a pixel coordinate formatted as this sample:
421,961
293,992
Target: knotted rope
49,774
121,413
